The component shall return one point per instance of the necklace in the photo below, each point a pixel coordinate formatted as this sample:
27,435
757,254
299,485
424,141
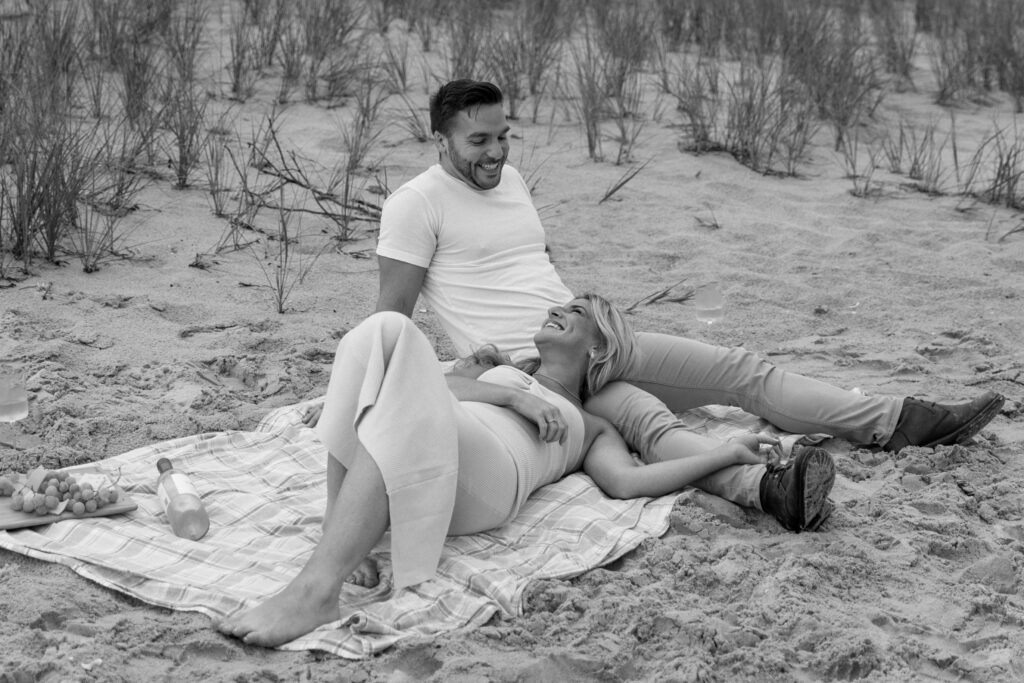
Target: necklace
575,398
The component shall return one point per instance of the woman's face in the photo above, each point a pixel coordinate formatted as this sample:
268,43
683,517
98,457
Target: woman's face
571,324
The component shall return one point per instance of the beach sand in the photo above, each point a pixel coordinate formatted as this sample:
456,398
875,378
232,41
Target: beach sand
918,575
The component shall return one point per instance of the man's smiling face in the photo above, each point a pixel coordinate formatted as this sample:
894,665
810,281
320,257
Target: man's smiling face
477,146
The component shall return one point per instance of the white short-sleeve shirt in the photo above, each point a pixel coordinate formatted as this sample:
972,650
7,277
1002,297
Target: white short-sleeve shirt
489,278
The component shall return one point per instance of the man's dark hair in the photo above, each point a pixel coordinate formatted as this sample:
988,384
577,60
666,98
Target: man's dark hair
454,96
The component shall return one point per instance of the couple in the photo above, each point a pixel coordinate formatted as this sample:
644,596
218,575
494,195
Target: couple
465,236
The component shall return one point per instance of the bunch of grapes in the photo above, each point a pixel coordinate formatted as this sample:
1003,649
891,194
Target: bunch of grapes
58,491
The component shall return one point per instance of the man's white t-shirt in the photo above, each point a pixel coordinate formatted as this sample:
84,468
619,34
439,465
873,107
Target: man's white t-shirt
489,278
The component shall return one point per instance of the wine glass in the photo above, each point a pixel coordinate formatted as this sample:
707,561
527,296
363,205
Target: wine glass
13,399
710,303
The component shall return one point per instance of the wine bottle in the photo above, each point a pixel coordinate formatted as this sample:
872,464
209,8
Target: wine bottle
181,502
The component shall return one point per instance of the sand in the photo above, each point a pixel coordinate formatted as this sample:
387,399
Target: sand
917,576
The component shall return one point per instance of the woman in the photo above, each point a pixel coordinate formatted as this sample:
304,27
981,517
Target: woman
432,454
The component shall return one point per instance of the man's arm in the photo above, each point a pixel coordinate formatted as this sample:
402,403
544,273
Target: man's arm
400,284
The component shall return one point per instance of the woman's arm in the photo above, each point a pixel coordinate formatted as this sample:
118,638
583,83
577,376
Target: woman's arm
550,423
611,466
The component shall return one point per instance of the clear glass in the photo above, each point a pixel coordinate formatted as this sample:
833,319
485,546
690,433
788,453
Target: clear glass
13,397
13,400
710,304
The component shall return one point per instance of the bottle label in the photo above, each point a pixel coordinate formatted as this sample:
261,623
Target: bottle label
175,484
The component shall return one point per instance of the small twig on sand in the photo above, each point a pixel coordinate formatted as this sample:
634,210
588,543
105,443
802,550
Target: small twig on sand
711,224
662,295
1019,228
621,182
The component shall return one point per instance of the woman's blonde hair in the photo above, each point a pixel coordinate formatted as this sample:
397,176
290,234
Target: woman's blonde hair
616,351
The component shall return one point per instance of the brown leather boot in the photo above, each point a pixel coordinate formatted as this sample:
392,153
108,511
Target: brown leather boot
928,424
796,493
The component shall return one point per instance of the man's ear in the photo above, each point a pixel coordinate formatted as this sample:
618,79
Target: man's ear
440,141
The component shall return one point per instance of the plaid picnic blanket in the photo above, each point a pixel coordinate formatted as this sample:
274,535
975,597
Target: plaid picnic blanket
264,491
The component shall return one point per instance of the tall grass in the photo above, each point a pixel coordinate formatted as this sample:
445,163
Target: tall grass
328,26
1005,183
95,235
332,190
243,57
49,166
185,120
758,112
468,31
624,33
587,89
975,48
924,155
415,120
753,117
348,67
290,56
543,30
57,44
951,62
270,20
107,30
140,71
124,177
424,18
395,62
860,167
283,264
14,57
523,53
755,78
627,113
183,34
831,53
672,21
6,236
363,131
505,65
698,91
896,36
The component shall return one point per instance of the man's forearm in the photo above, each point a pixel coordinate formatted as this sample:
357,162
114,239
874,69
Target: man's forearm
400,285
397,304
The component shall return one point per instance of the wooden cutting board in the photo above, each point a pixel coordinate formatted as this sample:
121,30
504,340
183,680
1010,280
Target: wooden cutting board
10,519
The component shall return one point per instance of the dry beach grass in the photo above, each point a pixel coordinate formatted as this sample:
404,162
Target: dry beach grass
865,225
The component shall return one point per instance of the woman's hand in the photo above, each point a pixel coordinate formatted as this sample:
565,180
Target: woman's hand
311,415
747,448
546,416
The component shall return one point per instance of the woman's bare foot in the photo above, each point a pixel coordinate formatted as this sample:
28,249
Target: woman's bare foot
366,574
295,611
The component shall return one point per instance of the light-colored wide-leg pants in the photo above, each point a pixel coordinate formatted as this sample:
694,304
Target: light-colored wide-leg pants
444,471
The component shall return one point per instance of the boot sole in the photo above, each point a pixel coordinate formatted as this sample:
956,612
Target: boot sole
970,428
817,475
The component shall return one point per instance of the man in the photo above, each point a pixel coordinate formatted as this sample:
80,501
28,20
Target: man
465,236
